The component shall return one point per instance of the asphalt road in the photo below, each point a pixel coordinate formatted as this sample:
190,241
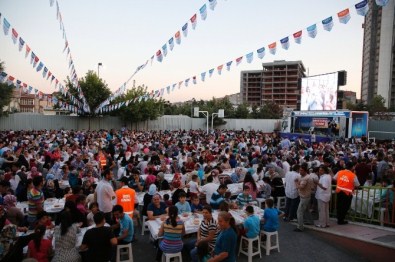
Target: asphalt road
309,245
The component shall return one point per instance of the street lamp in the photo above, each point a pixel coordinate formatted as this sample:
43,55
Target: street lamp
98,67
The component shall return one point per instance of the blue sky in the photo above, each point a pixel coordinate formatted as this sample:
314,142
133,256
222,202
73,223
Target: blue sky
123,34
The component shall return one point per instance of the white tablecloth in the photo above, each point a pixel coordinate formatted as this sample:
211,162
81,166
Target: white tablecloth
363,203
51,205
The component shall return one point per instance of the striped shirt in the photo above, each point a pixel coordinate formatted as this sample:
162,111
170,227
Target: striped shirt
243,200
35,198
172,241
206,227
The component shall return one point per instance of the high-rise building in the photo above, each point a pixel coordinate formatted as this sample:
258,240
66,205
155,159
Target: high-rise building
278,82
378,76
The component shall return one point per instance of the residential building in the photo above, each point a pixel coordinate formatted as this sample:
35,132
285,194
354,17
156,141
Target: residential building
378,59
279,81
22,102
344,97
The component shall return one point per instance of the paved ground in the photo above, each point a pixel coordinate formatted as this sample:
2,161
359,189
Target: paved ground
310,245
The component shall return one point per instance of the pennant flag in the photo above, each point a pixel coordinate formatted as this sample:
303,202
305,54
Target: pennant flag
49,75
203,76
219,69
45,71
228,65
273,48
31,89
162,91
14,35
18,83
381,2
3,75
213,4
21,44
210,72
327,23
178,37
10,80
362,8
344,16
159,56
52,78
186,82
298,37
203,12
261,52
174,86
36,59
185,30
250,57
312,31
32,57
27,51
168,89
164,49
194,80
65,46
239,60
152,58
6,26
193,21
51,3
171,43
179,84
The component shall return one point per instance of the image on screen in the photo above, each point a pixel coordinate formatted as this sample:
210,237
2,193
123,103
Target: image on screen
319,92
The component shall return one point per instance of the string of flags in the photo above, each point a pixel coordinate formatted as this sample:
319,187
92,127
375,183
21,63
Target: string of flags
36,62
344,16
72,72
28,89
169,45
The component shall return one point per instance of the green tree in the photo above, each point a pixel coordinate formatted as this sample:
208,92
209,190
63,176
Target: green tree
360,106
377,108
5,92
271,110
142,109
242,111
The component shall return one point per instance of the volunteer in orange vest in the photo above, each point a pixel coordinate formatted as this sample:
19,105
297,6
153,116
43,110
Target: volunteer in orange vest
102,159
346,181
126,197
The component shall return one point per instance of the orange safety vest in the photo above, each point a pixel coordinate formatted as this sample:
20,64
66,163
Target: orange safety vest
125,198
345,181
103,160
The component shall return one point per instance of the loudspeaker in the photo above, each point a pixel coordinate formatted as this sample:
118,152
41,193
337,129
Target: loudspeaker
342,78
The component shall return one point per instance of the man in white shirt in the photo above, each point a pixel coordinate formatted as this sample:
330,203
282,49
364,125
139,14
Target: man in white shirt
291,193
209,188
105,194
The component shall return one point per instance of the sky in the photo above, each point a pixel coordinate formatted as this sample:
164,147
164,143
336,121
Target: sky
124,34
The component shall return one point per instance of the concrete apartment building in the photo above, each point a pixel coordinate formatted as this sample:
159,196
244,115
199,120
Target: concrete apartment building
24,103
344,97
278,81
378,59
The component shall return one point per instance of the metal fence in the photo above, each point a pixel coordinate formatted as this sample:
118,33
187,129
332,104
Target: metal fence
373,205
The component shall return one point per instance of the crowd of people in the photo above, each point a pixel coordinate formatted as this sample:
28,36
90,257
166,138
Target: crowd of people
105,171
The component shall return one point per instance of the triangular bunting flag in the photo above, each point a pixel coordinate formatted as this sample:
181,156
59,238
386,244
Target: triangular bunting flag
210,72
261,52
6,26
203,12
27,50
327,23
298,37
228,65
174,86
21,44
186,82
203,76
250,57
312,31
382,2
362,7
171,43
212,3
239,60
285,43
273,48
344,16
164,49
193,21
177,36
14,35
219,69
185,30
159,56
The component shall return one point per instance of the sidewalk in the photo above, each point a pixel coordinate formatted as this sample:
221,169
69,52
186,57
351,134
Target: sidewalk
372,234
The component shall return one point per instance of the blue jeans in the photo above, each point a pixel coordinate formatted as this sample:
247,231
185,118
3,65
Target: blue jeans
191,249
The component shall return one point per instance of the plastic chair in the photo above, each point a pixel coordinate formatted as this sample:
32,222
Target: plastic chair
124,250
250,248
166,257
281,202
144,227
267,245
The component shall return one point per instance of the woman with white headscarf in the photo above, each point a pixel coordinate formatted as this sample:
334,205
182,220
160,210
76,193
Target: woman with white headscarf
148,198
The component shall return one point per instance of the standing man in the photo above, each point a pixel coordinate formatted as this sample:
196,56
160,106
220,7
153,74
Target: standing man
304,186
346,181
126,197
291,193
35,198
104,194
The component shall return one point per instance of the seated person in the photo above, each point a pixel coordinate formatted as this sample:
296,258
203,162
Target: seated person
125,225
245,197
265,188
43,219
251,223
94,208
196,207
156,209
182,204
271,217
218,196
167,200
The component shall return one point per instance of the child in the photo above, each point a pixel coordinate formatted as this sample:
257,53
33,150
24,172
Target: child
43,219
196,207
40,248
203,251
182,205
94,208
67,192
251,223
80,203
194,186
167,200
271,217
245,197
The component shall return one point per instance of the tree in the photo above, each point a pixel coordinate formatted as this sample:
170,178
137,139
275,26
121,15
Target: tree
271,110
360,106
137,111
242,111
5,92
377,108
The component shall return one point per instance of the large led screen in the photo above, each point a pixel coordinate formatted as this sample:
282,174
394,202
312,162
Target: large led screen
319,92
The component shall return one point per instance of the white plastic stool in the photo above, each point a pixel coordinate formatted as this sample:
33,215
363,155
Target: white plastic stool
260,201
166,257
123,250
250,249
381,211
281,202
144,227
268,243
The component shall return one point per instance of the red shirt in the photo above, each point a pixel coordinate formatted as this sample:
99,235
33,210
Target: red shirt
42,254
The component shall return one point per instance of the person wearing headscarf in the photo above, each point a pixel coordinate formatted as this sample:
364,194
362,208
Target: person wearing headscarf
14,214
161,182
33,172
148,198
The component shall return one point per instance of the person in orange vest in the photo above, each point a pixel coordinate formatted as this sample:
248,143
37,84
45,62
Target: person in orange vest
126,197
346,181
102,159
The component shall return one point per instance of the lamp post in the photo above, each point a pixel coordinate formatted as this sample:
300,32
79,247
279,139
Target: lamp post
98,69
